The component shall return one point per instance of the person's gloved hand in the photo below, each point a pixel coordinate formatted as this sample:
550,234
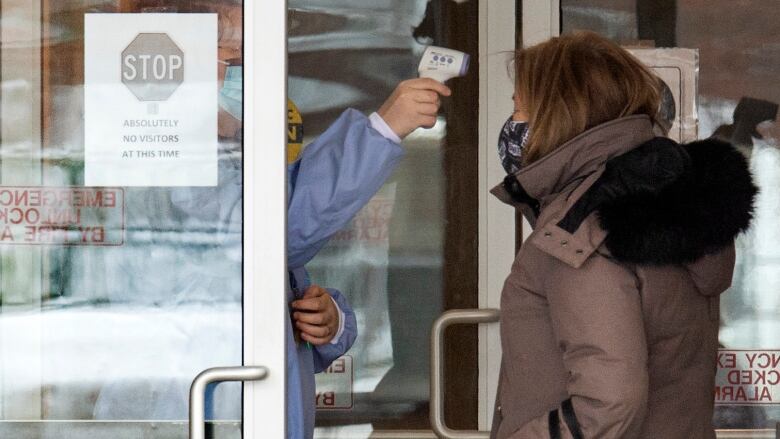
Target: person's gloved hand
316,316
413,104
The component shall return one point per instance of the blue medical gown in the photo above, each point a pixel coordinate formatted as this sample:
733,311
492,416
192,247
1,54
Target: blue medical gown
334,178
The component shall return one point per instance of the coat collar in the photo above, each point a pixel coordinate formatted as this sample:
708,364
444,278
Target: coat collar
579,157
572,168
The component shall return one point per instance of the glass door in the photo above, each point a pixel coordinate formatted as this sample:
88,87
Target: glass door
721,64
129,216
411,253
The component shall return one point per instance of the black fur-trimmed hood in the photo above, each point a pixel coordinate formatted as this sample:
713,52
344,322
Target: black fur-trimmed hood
664,203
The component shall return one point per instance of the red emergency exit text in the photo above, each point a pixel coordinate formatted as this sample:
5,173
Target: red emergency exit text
61,215
748,377
335,385
371,224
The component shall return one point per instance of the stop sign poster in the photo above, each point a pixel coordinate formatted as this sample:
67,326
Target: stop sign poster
150,99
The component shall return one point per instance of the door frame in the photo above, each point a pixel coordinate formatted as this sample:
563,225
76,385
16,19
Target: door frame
540,21
265,219
496,43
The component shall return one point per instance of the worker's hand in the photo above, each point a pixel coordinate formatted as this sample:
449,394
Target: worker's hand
316,316
413,104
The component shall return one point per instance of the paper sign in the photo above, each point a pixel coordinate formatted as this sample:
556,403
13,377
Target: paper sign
150,99
748,377
370,225
679,70
61,216
335,385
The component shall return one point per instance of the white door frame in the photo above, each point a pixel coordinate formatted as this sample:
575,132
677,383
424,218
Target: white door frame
265,110
496,220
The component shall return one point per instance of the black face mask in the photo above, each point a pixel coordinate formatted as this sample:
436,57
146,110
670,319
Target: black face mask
511,141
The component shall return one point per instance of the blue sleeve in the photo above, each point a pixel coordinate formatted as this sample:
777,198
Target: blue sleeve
335,177
327,353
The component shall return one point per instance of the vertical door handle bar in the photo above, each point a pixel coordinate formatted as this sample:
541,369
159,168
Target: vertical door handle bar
452,317
215,375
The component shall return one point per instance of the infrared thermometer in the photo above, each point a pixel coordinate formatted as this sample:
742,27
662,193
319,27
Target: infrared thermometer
441,64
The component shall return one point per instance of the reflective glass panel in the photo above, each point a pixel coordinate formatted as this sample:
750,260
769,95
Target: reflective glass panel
393,262
120,275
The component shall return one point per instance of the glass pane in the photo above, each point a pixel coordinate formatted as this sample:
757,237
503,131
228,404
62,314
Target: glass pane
739,63
113,297
392,262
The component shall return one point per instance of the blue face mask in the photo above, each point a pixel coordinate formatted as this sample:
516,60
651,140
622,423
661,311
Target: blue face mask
511,142
231,93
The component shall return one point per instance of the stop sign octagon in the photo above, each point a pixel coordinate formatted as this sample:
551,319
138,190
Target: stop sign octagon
152,66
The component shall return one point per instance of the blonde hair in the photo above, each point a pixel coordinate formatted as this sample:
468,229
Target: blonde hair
574,82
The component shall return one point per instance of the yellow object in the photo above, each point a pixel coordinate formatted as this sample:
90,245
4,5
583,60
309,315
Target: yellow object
294,132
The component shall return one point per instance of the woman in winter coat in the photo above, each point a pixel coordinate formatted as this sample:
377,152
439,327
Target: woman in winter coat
609,318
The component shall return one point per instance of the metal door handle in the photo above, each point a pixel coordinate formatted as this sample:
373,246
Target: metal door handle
215,375
452,317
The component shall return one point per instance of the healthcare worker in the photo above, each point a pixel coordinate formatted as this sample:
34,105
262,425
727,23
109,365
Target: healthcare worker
335,176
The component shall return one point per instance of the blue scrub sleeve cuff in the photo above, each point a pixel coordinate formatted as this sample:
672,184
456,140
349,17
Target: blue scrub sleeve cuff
326,354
